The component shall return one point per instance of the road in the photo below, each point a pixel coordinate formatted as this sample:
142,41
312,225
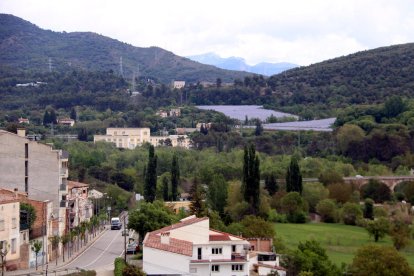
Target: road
100,255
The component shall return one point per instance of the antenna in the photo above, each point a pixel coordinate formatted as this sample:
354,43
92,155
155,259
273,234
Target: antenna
121,69
50,65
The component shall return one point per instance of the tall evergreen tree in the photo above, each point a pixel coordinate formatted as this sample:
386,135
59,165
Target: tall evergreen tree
175,178
165,192
294,177
259,128
53,116
73,114
197,204
46,118
150,186
217,194
271,184
251,178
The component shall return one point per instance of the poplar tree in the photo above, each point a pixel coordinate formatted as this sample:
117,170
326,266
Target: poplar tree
251,178
175,178
197,205
271,184
151,176
294,177
165,192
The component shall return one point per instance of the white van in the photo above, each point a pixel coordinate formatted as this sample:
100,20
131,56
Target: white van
116,223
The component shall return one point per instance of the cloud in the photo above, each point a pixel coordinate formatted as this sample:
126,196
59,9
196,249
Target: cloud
299,31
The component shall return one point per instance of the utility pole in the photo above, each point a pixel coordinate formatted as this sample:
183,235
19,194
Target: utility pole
125,235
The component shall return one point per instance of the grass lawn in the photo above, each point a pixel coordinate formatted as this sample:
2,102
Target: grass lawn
340,241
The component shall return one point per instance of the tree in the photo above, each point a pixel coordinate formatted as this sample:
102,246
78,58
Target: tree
394,106
311,257
175,177
165,192
400,233
53,117
380,261
217,194
257,227
349,134
197,204
294,207
65,239
376,190
4,249
378,228
271,184
55,240
369,209
351,212
46,118
36,246
313,193
27,215
330,177
341,192
259,128
327,209
73,114
251,178
150,217
151,176
294,177
218,82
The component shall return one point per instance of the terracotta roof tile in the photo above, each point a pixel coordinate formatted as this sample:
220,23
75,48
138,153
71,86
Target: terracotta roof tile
174,246
74,184
179,224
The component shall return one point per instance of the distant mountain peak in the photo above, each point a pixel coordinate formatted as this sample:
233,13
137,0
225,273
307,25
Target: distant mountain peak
239,64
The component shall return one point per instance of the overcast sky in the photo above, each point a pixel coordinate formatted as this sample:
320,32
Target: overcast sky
297,31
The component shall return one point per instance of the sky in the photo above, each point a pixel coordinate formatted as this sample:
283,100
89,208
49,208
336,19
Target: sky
297,31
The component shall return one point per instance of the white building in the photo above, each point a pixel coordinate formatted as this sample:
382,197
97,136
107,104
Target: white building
80,207
9,229
190,247
130,138
178,84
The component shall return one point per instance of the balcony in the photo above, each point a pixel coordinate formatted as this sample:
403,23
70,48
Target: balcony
238,257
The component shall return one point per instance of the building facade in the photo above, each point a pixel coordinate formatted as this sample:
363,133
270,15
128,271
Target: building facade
38,170
190,247
10,231
80,207
130,138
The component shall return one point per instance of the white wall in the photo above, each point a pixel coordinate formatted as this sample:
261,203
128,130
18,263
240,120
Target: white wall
197,233
162,262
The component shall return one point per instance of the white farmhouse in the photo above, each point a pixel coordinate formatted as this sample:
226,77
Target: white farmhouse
190,247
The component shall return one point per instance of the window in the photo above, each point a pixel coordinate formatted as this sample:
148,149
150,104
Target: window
26,184
233,248
193,270
2,225
26,150
13,246
26,168
237,267
14,223
216,250
215,268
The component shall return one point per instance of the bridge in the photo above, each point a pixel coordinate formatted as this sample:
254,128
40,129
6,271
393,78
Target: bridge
359,181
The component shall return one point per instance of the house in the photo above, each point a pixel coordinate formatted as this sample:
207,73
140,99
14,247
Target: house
262,259
24,121
181,141
36,169
66,122
38,231
9,230
175,112
162,113
95,194
178,84
190,247
80,207
177,206
183,130
261,244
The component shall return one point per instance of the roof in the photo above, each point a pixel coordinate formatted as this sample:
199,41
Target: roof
175,245
74,184
183,222
216,235
4,199
271,266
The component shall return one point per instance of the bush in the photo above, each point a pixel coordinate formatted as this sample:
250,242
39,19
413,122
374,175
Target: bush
327,210
131,270
274,216
351,212
119,266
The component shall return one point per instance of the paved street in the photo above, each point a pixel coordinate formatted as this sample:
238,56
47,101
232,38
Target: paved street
100,255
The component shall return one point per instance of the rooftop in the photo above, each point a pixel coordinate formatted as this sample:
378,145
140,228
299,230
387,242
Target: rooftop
175,245
74,184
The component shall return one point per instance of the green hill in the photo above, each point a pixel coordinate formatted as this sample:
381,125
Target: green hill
24,45
366,77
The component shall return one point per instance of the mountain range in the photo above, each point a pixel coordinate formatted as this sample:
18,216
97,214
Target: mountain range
239,64
24,45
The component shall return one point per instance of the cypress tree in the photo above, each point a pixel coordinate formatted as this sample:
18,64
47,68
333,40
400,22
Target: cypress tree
175,178
294,177
197,205
165,192
53,116
150,186
271,184
73,114
251,178
46,118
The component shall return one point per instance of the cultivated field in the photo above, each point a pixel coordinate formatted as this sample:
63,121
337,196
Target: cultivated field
340,241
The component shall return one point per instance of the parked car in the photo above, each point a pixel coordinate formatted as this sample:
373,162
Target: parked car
132,248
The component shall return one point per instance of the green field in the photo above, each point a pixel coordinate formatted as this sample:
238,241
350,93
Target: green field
340,241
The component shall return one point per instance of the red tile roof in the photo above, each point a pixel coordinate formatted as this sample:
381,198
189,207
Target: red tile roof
179,224
74,184
174,246
219,238
224,234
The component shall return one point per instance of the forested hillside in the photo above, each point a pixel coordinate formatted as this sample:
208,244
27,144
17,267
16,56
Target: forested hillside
24,45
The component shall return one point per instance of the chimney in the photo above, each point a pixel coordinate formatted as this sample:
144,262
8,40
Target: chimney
165,238
21,132
16,190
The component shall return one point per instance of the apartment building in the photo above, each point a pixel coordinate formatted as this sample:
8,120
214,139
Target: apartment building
80,207
130,138
190,247
10,230
38,170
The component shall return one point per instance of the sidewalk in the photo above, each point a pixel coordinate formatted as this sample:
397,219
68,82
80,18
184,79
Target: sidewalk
52,268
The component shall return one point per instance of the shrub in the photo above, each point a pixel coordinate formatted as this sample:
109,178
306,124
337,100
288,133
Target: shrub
119,266
351,212
327,210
